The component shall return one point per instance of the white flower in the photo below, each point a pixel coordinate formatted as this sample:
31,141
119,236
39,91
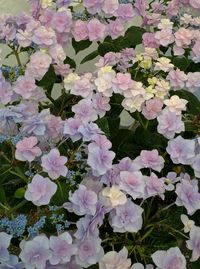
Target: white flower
188,224
70,80
115,195
165,24
176,104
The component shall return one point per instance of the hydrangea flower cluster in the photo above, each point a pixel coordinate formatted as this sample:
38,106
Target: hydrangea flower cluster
77,189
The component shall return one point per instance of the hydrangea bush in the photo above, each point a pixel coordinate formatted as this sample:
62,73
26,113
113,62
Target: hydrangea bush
77,190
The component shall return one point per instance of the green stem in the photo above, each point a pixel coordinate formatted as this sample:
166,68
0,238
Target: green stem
15,52
4,207
22,203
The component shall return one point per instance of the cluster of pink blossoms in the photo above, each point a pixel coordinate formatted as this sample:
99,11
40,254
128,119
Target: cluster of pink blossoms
112,190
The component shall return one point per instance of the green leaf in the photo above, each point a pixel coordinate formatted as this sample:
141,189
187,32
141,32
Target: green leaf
106,47
48,79
133,37
61,195
81,45
116,107
193,105
181,62
70,61
2,195
103,125
19,193
90,57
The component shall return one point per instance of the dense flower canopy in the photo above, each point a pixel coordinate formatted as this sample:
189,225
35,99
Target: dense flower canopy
77,188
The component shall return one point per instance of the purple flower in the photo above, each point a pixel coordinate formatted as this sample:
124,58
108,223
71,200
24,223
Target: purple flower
38,65
170,259
71,127
61,21
194,243
181,150
188,195
6,92
96,29
12,263
196,165
61,3
132,183
62,248
169,124
154,186
44,36
100,160
88,130
89,251
125,12
101,104
26,149
93,6
150,159
4,244
115,260
36,252
116,28
40,190
54,164
126,218
25,86
83,201
84,111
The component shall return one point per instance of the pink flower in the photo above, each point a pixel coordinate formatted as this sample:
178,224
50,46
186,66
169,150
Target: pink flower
196,165
40,190
170,259
132,183
194,242
26,149
96,30
62,248
6,92
169,124
195,4
122,82
101,104
24,38
181,150
152,108
83,86
61,21
54,164
38,65
115,28
125,12
84,111
25,86
110,7
100,160
164,37
183,37
150,159
193,82
149,40
71,127
188,195
196,51
154,186
80,30
57,53
44,36
93,6
177,78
